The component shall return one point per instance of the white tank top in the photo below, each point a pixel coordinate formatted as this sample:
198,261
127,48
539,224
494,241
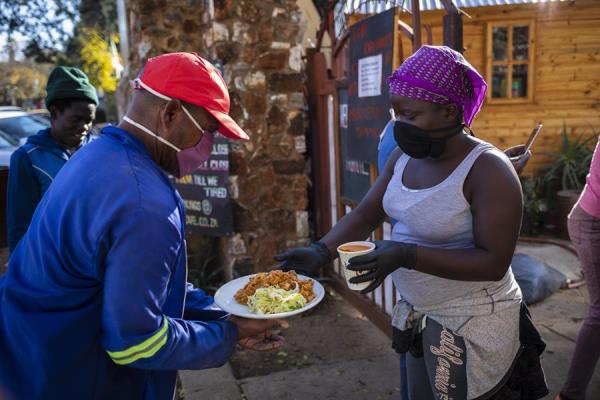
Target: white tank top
438,217
485,314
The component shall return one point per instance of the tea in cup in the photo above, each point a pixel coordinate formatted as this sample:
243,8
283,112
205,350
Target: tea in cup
350,250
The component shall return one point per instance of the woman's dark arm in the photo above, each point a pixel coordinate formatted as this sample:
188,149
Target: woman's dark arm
357,225
367,216
496,205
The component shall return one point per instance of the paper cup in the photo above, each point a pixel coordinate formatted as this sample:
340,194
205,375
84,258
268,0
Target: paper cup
349,250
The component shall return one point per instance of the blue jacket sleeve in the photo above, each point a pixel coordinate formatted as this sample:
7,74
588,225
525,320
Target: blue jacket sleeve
141,256
23,196
387,145
200,307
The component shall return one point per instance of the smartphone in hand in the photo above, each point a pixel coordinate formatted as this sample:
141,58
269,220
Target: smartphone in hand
527,147
532,136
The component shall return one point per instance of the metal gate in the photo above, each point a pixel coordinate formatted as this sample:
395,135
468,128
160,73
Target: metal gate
328,109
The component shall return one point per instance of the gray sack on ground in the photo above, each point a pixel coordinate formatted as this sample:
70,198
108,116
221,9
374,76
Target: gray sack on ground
536,279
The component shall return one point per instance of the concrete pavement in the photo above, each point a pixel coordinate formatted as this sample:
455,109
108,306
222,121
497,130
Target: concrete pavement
335,353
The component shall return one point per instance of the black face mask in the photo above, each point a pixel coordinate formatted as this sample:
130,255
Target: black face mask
417,143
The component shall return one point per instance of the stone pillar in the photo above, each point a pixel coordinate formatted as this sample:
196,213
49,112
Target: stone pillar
260,46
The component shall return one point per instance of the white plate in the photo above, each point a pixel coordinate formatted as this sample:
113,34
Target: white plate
224,299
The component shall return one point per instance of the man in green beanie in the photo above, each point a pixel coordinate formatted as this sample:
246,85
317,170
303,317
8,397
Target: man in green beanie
72,102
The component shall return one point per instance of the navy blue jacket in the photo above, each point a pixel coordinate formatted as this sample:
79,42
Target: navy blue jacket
33,167
95,303
387,144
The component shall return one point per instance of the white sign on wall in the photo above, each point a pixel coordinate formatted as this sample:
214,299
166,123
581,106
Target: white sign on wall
369,76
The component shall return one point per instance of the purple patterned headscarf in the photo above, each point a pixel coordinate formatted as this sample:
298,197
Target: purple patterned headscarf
438,74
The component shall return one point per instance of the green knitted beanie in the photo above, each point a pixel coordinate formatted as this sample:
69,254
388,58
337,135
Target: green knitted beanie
69,83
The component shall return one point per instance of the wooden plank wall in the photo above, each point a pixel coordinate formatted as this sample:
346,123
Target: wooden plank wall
566,68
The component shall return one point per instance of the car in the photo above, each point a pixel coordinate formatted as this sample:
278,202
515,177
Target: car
16,125
6,150
10,108
20,124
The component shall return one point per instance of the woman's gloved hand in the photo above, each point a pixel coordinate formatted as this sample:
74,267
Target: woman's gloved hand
306,260
387,257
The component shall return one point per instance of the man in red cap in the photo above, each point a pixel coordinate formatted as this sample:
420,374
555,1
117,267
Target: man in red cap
95,304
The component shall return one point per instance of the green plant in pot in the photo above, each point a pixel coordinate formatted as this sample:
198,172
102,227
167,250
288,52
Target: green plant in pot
535,205
569,168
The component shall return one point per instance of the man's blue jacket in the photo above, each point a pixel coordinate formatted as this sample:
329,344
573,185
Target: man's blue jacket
33,167
94,305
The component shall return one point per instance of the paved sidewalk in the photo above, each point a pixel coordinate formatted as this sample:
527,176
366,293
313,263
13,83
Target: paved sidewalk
334,353
354,361
558,318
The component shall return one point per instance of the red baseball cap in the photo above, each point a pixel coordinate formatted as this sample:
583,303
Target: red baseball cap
189,77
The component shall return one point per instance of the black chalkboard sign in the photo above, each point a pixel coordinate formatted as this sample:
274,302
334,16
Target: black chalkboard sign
355,175
205,194
371,57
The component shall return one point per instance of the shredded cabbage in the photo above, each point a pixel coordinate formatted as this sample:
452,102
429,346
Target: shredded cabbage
273,300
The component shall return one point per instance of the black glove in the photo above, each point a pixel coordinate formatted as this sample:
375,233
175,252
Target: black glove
387,257
306,260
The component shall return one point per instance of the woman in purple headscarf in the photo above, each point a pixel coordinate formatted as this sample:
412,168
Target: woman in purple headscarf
458,204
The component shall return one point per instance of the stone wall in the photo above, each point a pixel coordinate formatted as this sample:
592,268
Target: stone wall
260,45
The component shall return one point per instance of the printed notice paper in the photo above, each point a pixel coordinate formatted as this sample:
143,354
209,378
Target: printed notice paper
369,76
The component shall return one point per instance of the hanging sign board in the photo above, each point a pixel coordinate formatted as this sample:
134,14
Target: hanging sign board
205,194
371,57
355,175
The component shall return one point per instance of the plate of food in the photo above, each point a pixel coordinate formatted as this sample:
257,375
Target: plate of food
268,295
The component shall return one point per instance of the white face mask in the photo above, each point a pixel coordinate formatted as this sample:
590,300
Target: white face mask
190,159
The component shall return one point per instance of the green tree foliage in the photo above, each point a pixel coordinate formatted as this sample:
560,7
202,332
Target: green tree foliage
97,60
45,22
99,14
48,25
77,33
22,81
